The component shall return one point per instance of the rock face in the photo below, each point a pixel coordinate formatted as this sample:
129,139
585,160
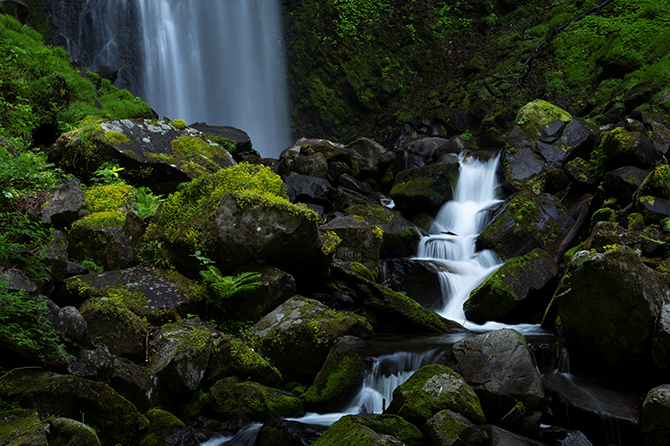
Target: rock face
656,416
424,189
233,357
298,335
63,208
360,243
608,306
256,401
449,428
434,388
356,430
417,279
500,370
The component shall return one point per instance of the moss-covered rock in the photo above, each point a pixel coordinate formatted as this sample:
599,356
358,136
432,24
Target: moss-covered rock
434,388
655,416
68,432
140,386
298,335
258,402
356,430
165,429
417,279
233,357
449,428
515,292
279,432
22,427
113,417
360,241
619,147
424,189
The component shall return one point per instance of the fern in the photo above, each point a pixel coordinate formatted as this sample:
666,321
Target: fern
227,287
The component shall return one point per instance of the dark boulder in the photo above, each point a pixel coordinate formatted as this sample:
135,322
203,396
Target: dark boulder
62,207
418,279
381,430
656,416
280,432
258,402
424,188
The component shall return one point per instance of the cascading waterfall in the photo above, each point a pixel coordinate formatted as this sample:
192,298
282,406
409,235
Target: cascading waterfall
218,62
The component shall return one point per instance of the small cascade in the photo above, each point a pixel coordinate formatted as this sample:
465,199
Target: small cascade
218,62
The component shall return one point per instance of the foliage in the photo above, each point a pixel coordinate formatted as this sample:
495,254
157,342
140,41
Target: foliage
108,173
226,143
92,266
330,241
147,202
227,287
109,197
21,240
154,253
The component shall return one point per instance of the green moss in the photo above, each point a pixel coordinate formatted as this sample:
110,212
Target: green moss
329,241
114,138
256,401
112,197
362,271
160,158
161,425
535,115
106,219
179,124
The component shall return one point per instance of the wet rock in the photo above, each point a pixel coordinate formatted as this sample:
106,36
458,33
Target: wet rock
432,389
361,241
357,430
449,428
340,377
115,418
166,429
22,427
233,357
298,335
500,370
515,292
417,279
95,363
139,385
350,182
405,161
424,188
108,247
182,354
279,432
274,288
656,416
621,147
258,402
581,405
306,189
622,183
365,147
501,437
63,207
661,346
68,432
526,221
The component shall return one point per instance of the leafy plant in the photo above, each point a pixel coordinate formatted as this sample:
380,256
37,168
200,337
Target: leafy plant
21,240
108,173
147,202
227,287
154,253
92,266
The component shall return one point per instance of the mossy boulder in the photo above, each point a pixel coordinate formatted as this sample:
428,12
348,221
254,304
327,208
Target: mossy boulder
526,221
68,432
621,184
500,368
298,335
656,416
113,324
661,347
140,385
607,308
357,430
619,147
256,401
424,189
340,377
113,417
165,429
182,354
63,204
401,237
360,241
517,291
22,427
417,279
233,357
280,432
434,388
106,242
449,428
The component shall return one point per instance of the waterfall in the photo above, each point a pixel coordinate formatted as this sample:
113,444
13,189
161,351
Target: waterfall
218,62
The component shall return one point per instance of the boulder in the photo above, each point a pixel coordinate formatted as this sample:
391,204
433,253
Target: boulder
656,416
165,429
62,207
115,419
69,432
280,432
500,437
350,182
653,209
22,427
357,430
526,221
306,189
274,288
182,351
432,389
256,401
618,147
310,164
518,291
298,335
417,279
584,406
660,137
340,378
107,246
365,147
233,357
622,183
661,347
57,259
361,241
607,308
500,369
424,189
139,385
94,363
447,428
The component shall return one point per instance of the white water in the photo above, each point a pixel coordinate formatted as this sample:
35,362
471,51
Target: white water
221,62
453,237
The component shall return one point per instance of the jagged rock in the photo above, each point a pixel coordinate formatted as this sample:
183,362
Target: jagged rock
117,421
113,324
95,363
306,189
139,385
22,427
401,237
165,429
608,306
63,207
500,370
233,357
357,430
418,279
298,335
340,377
280,432
432,389
660,137
182,353
622,183
361,241
256,401
526,221
515,292
449,428
656,416
621,147
424,188
69,432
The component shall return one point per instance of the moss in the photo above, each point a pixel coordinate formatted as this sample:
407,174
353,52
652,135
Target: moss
635,222
161,158
111,197
179,124
408,309
602,214
329,241
339,378
258,402
193,149
107,219
362,271
161,425
535,115
114,138
358,430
